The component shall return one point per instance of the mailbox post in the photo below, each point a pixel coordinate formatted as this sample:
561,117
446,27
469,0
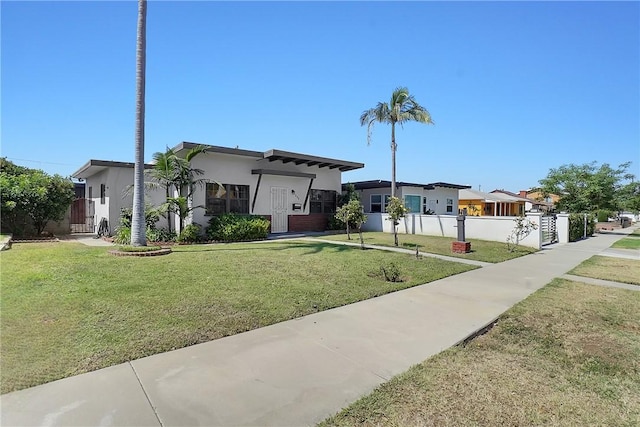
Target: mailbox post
461,246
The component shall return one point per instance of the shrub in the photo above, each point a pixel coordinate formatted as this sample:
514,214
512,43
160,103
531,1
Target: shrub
391,272
335,224
151,216
235,228
576,226
123,235
604,215
160,235
190,234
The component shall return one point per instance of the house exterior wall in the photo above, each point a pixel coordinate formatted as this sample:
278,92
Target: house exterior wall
234,169
476,207
365,196
117,180
437,196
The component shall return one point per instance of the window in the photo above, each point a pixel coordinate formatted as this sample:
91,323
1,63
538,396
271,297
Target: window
103,194
227,198
449,205
323,201
90,193
412,203
376,203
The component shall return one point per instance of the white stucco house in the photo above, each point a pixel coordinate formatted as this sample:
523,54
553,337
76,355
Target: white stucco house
297,192
438,198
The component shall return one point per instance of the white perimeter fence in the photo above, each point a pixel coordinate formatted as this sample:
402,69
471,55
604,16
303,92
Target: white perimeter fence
493,228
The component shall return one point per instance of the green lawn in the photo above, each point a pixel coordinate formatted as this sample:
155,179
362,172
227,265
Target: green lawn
567,355
68,308
631,242
609,268
481,250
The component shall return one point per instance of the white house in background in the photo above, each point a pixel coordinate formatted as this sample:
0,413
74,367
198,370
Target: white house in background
438,198
297,192
108,190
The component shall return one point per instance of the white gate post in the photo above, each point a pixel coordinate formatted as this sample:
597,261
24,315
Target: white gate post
536,235
562,227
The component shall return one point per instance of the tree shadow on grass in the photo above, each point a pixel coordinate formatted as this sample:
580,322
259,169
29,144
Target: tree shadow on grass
314,248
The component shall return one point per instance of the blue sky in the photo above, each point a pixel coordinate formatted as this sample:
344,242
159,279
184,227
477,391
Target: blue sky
514,88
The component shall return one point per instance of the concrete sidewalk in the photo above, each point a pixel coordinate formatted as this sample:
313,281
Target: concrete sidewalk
300,371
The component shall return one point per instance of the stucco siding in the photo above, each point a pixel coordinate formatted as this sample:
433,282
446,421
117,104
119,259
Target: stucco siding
232,169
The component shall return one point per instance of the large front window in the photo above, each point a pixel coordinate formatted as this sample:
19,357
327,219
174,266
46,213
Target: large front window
412,203
227,198
323,201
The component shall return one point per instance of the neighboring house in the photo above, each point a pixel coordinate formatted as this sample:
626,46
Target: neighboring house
297,192
478,203
529,204
439,198
545,203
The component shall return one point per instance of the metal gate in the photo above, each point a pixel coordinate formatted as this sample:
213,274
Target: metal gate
279,215
548,227
82,216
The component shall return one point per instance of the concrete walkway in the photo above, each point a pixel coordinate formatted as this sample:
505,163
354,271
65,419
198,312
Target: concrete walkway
85,239
300,371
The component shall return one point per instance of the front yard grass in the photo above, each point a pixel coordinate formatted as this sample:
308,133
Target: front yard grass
68,309
567,355
481,250
631,242
608,268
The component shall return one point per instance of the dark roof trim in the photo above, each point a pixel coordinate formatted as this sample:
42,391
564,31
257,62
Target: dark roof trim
305,159
282,173
378,183
216,149
99,165
275,155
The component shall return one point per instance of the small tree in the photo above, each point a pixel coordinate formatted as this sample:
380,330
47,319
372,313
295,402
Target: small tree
524,226
396,210
352,213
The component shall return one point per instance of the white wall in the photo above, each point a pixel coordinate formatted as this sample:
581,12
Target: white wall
483,228
234,169
117,181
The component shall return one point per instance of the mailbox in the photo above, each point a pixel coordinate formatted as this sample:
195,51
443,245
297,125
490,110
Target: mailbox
296,207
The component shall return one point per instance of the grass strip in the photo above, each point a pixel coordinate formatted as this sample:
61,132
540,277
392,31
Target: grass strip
481,250
567,355
609,268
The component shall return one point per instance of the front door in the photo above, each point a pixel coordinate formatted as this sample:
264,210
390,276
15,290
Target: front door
279,217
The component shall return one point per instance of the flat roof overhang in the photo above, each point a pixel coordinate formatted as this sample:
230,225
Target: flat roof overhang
93,167
304,159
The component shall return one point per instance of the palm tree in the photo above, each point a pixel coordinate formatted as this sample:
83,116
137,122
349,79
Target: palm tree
402,108
138,226
163,174
178,179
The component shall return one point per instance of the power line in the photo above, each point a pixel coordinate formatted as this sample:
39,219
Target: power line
38,161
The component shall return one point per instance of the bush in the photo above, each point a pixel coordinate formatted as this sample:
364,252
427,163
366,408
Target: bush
190,234
391,272
576,226
122,236
236,228
604,215
335,224
151,216
160,235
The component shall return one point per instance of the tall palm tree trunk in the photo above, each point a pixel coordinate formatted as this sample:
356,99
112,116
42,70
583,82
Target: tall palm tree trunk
393,159
138,226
